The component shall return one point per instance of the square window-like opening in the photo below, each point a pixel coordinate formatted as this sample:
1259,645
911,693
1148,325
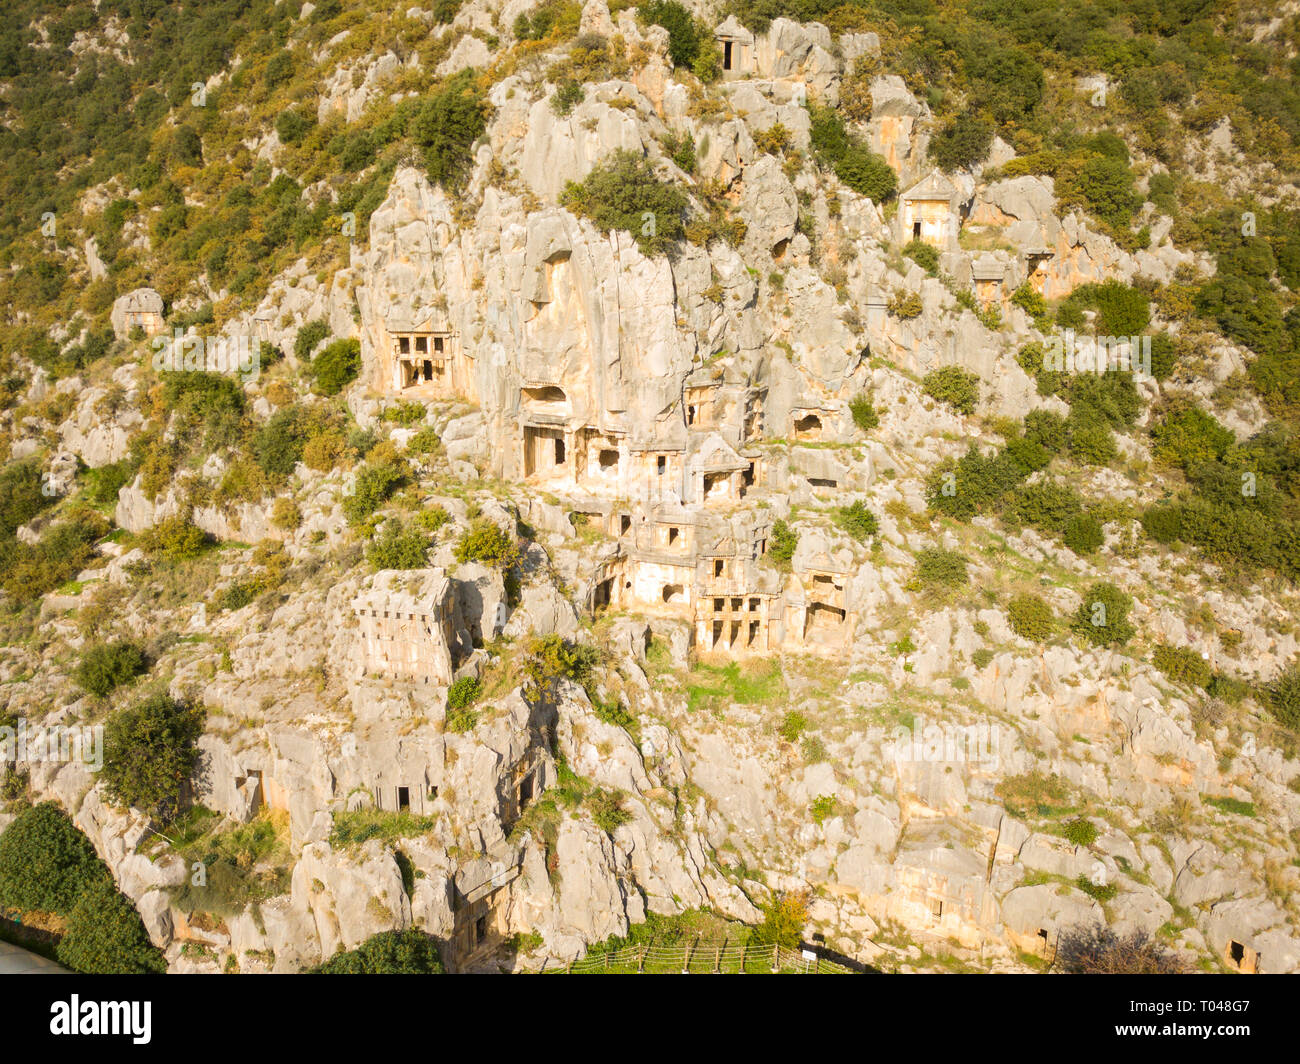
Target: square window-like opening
673,535
719,567
403,799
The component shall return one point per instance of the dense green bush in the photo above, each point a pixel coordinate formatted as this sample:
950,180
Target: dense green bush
399,547
410,952
954,386
1031,618
106,936
175,538
781,546
150,752
1182,665
446,127
924,255
46,863
1186,436
337,366
486,542
1091,443
373,484
683,34
1083,534
936,567
848,156
104,666
857,521
309,338
863,412
961,142
28,571
1047,429
21,497
464,693
1102,617
1283,697
277,445
624,193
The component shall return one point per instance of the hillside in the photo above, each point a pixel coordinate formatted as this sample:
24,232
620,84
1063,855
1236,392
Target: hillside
507,470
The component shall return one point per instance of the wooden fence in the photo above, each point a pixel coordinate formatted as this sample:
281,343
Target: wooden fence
699,959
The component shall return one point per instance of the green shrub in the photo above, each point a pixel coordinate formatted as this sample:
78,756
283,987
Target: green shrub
1182,665
823,806
46,863
337,366
409,952
373,484
954,386
1083,534
961,142
857,521
848,156
105,483
936,567
1186,437
464,693
567,96
783,922
106,936
150,752
905,305
793,725
623,193
309,337
400,547
607,810
924,255
781,546
446,127
1091,444
1032,303
1031,618
426,441
277,445
1047,429
1079,831
175,538
981,658
485,542
683,34
556,19
1121,309
863,412
1102,617
461,721
431,519
105,666
1283,697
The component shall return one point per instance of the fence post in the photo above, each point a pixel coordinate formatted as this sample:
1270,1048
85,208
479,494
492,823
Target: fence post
640,964
743,951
